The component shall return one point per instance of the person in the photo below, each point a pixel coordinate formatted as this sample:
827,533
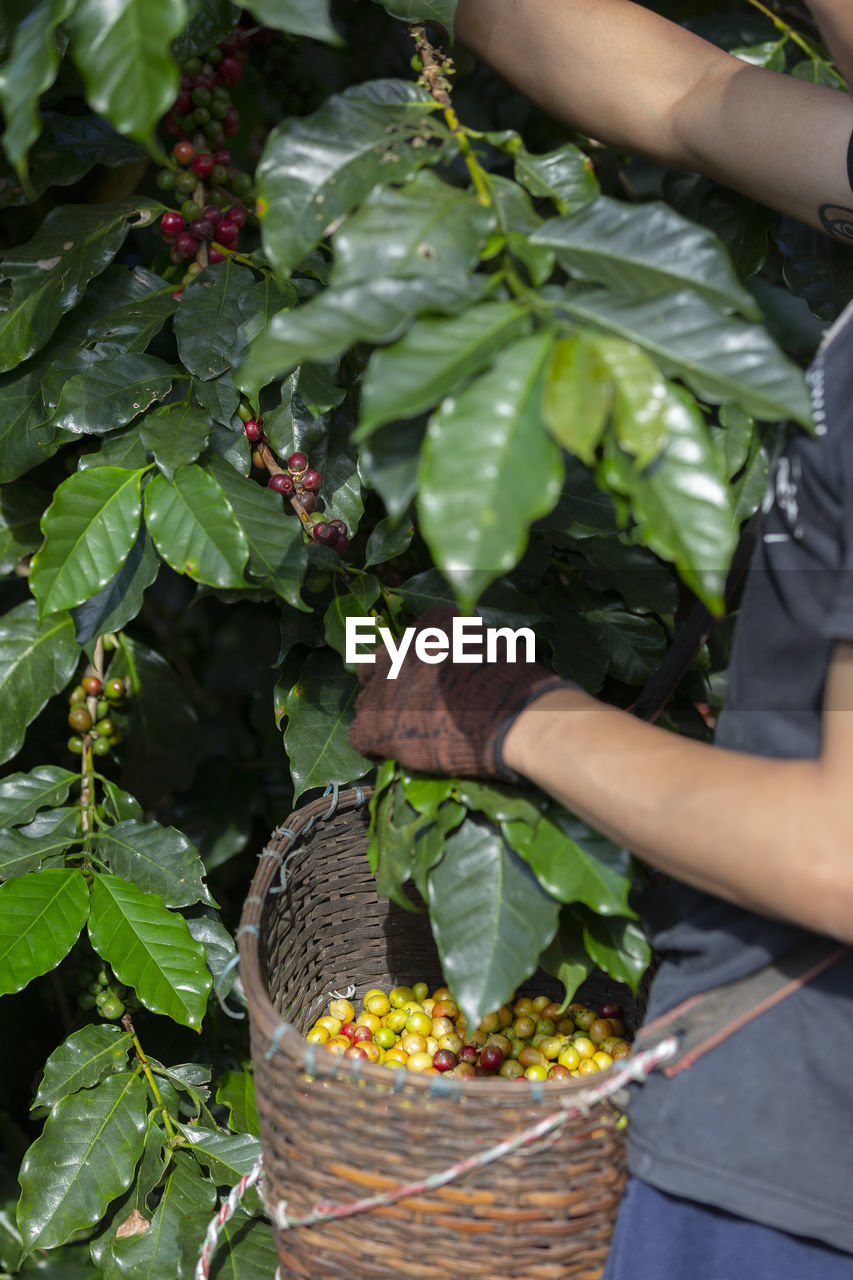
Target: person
742,1162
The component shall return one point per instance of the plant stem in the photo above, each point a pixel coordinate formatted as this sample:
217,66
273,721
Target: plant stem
432,74
781,25
149,1076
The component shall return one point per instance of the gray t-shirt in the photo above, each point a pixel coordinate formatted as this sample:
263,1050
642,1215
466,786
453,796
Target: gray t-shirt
762,1126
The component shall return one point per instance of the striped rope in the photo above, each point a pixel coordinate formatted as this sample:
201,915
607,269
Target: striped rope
227,1211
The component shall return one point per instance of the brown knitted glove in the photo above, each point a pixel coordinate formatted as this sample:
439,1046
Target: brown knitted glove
449,717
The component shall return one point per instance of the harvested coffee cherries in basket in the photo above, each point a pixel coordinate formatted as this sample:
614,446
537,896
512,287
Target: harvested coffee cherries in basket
534,1038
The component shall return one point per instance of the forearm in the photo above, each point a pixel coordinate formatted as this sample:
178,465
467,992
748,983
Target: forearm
621,73
766,834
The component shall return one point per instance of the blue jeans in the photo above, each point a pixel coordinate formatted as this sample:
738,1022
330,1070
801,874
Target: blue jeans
662,1237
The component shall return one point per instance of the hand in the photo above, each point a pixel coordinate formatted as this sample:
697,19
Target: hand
449,717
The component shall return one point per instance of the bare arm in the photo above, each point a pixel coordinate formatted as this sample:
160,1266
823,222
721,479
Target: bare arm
621,73
775,836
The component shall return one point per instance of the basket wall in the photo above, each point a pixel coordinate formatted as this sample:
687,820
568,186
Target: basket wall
336,1131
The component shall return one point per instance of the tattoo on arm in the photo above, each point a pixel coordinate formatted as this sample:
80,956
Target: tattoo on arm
837,220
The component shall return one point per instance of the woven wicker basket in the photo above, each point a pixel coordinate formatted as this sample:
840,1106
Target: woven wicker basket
336,1131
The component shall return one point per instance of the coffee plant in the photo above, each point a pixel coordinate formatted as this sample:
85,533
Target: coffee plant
304,316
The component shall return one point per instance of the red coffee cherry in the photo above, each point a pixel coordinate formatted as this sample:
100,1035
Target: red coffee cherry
253,429
184,152
282,483
222,157
297,462
312,479
324,533
230,70
212,213
203,164
236,215
227,234
214,256
186,246
172,224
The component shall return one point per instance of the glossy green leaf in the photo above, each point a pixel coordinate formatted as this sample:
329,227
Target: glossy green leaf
149,1173
49,273
150,949
425,792
119,602
44,840
176,435
219,948
208,321
499,802
210,22
615,564
248,1250
81,1061
227,1156
68,147
643,251
123,54
157,859
633,644
441,11
41,916
37,659
565,176
194,528
355,603
316,168
723,359
617,946
21,506
122,449
133,324
23,794
578,394
389,458
110,393
573,862
120,804
566,956
434,359
390,538
681,503
342,492
490,917
640,397
29,70
26,436
171,1245
277,549
85,1157
319,710
162,735
236,1092
297,17
89,528
397,825
492,430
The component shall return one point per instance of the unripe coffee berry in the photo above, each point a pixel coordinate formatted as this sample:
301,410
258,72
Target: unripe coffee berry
253,431
190,210
282,483
312,479
219,176
203,164
166,180
186,182
214,131
79,718
242,183
92,685
201,96
192,66
201,115
101,747
77,694
114,690
297,462
184,152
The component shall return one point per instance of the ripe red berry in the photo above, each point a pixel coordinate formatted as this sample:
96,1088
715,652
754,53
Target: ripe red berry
491,1058
171,125
227,234
183,103
186,246
309,502
230,70
212,213
92,685
177,295
312,479
237,215
184,152
323,532
230,44
214,256
252,429
444,1060
340,526
282,483
297,462
203,164
207,79
172,224
202,229
341,545
222,157
231,123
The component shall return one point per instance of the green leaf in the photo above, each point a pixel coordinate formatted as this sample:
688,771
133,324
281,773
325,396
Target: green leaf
123,449
120,804
566,957
573,862
46,839
123,54
150,949
721,358
500,803
389,539
85,1157
278,555
69,146
390,458
176,435
682,503
37,659
81,1061
316,168
210,22
118,603
157,859
26,437
236,1091
613,564
565,176
397,824
633,644
643,251
578,394
434,359
110,393
496,421
319,710
28,72
641,397
227,1156
49,274
21,506
490,917
149,1173
249,1250
617,946
41,916
194,528
355,603
220,951
161,738
441,11
207,323
170,1245
23,794
89,529
297,17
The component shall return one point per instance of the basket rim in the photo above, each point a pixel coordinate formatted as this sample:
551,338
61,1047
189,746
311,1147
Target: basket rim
283,1036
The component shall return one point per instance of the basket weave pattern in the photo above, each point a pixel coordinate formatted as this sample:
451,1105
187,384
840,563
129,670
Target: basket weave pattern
336,1131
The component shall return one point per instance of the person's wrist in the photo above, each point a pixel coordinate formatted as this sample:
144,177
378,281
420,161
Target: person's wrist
521,746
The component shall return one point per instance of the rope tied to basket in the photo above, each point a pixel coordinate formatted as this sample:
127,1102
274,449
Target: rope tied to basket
635,1068
229,1207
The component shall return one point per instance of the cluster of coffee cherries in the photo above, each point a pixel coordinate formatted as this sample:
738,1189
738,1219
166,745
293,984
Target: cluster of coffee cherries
101,729
204,102
101,990
532,1038
196,225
